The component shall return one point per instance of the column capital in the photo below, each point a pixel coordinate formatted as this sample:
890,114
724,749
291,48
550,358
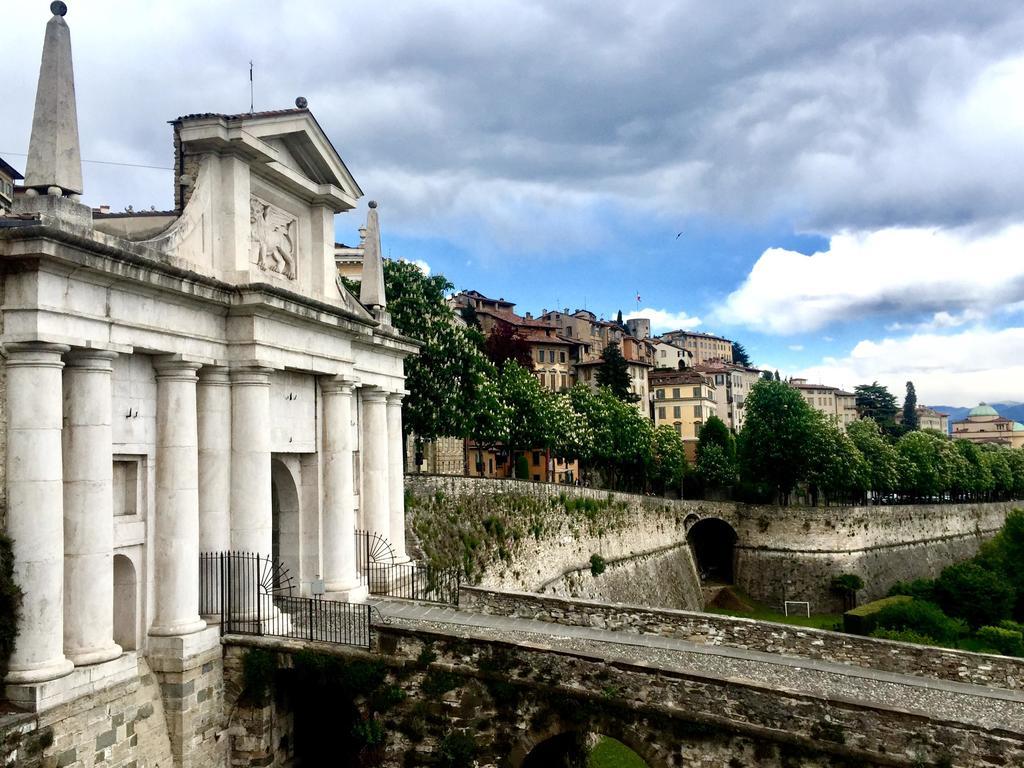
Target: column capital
337,385
90,359
215,375
373,394
38,354
251,376
395,398
173,367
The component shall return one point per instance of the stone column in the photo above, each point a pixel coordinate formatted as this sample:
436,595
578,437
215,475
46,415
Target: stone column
396,479
213,403
374,458
88,509
176,542
339,523
251,509
35,509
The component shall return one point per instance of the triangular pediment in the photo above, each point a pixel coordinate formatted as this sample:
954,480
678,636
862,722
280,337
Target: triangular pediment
288,142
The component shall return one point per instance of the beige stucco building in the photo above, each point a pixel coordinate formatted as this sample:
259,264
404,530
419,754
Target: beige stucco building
672,356
928,418
684,400
732,386
833,402
184,382
704,346
984,425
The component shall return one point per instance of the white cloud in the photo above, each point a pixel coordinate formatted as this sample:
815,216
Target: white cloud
955,275
423,266
796,347
940,321
956,369
663,320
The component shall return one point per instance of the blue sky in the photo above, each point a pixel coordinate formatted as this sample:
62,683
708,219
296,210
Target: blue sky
848,177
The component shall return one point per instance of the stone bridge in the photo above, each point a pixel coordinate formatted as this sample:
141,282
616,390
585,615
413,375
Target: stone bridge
464,688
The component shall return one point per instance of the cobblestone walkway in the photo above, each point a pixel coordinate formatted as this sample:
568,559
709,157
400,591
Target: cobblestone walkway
938,699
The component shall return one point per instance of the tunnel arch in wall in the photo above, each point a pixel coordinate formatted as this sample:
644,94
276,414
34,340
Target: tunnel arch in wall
713,543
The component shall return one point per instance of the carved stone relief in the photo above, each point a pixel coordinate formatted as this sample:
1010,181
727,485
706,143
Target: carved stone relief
273,244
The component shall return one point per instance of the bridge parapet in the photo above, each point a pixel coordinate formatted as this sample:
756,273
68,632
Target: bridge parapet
505,697
733,632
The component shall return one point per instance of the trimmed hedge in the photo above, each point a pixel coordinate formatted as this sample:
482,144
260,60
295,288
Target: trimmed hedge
863,619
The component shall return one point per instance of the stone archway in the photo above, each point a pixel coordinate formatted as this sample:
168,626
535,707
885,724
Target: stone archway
713,542
126,597
284,494
552,744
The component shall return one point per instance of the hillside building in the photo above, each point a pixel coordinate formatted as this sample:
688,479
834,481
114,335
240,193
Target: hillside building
732,386
684,400
8,176
984,425
704,346
833,402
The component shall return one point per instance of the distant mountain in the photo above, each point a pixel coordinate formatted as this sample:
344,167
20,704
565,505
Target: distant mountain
1011,410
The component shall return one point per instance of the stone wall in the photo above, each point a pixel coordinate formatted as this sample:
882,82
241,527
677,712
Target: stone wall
781,552
492,702
665,577
715,630
122,725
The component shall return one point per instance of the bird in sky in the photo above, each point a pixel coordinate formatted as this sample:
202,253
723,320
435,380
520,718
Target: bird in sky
679,235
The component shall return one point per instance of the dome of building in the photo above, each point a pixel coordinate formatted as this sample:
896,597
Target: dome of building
982,410
1018,427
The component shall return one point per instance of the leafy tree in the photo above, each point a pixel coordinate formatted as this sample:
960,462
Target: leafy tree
883,467
613,373
716,454
668,460
921,475
997,464
470,317
777,377
505,343
529,425
975,594
910,420
968,474
773,445
445,379
1004,554
767,376
10,602
875,401
622,438
836,469
739,355
618,320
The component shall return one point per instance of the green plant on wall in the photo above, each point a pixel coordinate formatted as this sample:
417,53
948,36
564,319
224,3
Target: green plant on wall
597,565
10,603
847,585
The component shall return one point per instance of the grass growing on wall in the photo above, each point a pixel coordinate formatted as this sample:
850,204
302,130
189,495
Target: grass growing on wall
609,753
474,533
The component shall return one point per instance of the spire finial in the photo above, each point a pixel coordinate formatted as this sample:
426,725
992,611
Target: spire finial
54,163
371,289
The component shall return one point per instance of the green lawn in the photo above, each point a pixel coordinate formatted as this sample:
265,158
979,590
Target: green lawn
764,612
610,753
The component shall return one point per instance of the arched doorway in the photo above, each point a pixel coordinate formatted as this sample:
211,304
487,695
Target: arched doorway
126,630
580,749
713,542
284,495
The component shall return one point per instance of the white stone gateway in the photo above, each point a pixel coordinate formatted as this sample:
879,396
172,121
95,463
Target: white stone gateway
184,382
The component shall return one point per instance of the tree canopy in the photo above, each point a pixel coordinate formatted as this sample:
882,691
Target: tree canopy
774,450
875,401
910,420
446,379
505,343
613,373
739,355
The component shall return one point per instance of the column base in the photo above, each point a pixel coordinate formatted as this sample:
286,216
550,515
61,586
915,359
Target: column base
356,594
40,673
81,681
175,630
86,657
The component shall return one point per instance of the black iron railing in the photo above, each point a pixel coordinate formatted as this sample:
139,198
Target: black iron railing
412,581
251,594
375,559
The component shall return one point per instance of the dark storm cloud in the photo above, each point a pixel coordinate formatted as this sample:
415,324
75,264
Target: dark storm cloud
519,122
